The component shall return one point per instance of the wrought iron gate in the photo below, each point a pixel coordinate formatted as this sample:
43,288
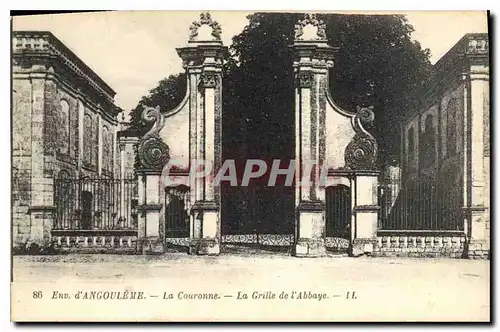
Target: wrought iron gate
177,220
338,217
89,204
258,218
95,215
176,212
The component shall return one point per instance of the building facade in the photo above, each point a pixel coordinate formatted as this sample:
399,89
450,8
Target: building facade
64,137
445,154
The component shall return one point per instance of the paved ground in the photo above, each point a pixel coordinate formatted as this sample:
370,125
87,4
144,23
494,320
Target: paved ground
386,288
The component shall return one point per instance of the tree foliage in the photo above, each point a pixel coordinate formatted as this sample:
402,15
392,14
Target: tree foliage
377,64
167,94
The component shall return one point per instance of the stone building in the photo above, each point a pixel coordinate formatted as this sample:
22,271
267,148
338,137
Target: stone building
446,151
64,128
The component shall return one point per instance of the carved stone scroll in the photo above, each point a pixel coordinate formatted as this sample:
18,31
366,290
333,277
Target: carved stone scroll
152,151
304,80
361,152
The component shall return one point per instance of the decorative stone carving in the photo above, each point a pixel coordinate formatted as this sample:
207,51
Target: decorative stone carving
209,80
205,19
121,146
304,80
310,19
152,151
478,46
361,152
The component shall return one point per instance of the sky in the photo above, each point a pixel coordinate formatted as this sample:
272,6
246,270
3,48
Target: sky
133,50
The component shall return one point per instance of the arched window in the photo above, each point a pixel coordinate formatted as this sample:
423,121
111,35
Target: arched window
411,146
106,148
451,127
430,134
87,139
64,129
428,143
63,175
95,141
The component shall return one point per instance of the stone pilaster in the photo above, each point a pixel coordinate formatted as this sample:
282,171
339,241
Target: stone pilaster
365,213
122,182
81,113
99,142
476,204
42,206
150,234
313,57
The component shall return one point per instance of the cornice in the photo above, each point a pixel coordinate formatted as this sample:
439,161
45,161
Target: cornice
31,45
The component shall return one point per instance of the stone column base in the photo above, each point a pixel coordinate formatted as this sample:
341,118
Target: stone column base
42,218
362,247
153,246
309,248
478,250
204,247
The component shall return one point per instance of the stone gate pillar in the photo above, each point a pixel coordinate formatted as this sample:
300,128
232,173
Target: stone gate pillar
203,60
313,57
344,131
190,137
153,154
360,159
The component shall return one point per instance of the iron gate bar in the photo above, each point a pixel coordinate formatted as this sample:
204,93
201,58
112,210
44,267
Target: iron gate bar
421,204
95,204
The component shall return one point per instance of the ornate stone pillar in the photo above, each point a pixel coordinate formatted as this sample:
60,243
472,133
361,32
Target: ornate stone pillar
476,117
313,57
203,59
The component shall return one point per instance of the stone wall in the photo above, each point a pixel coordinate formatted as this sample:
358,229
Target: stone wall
62,132
21,160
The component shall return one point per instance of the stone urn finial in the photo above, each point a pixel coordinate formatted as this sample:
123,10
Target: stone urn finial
205,29
310,28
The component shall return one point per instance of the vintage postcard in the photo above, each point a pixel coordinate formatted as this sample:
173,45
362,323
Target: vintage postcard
232,166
